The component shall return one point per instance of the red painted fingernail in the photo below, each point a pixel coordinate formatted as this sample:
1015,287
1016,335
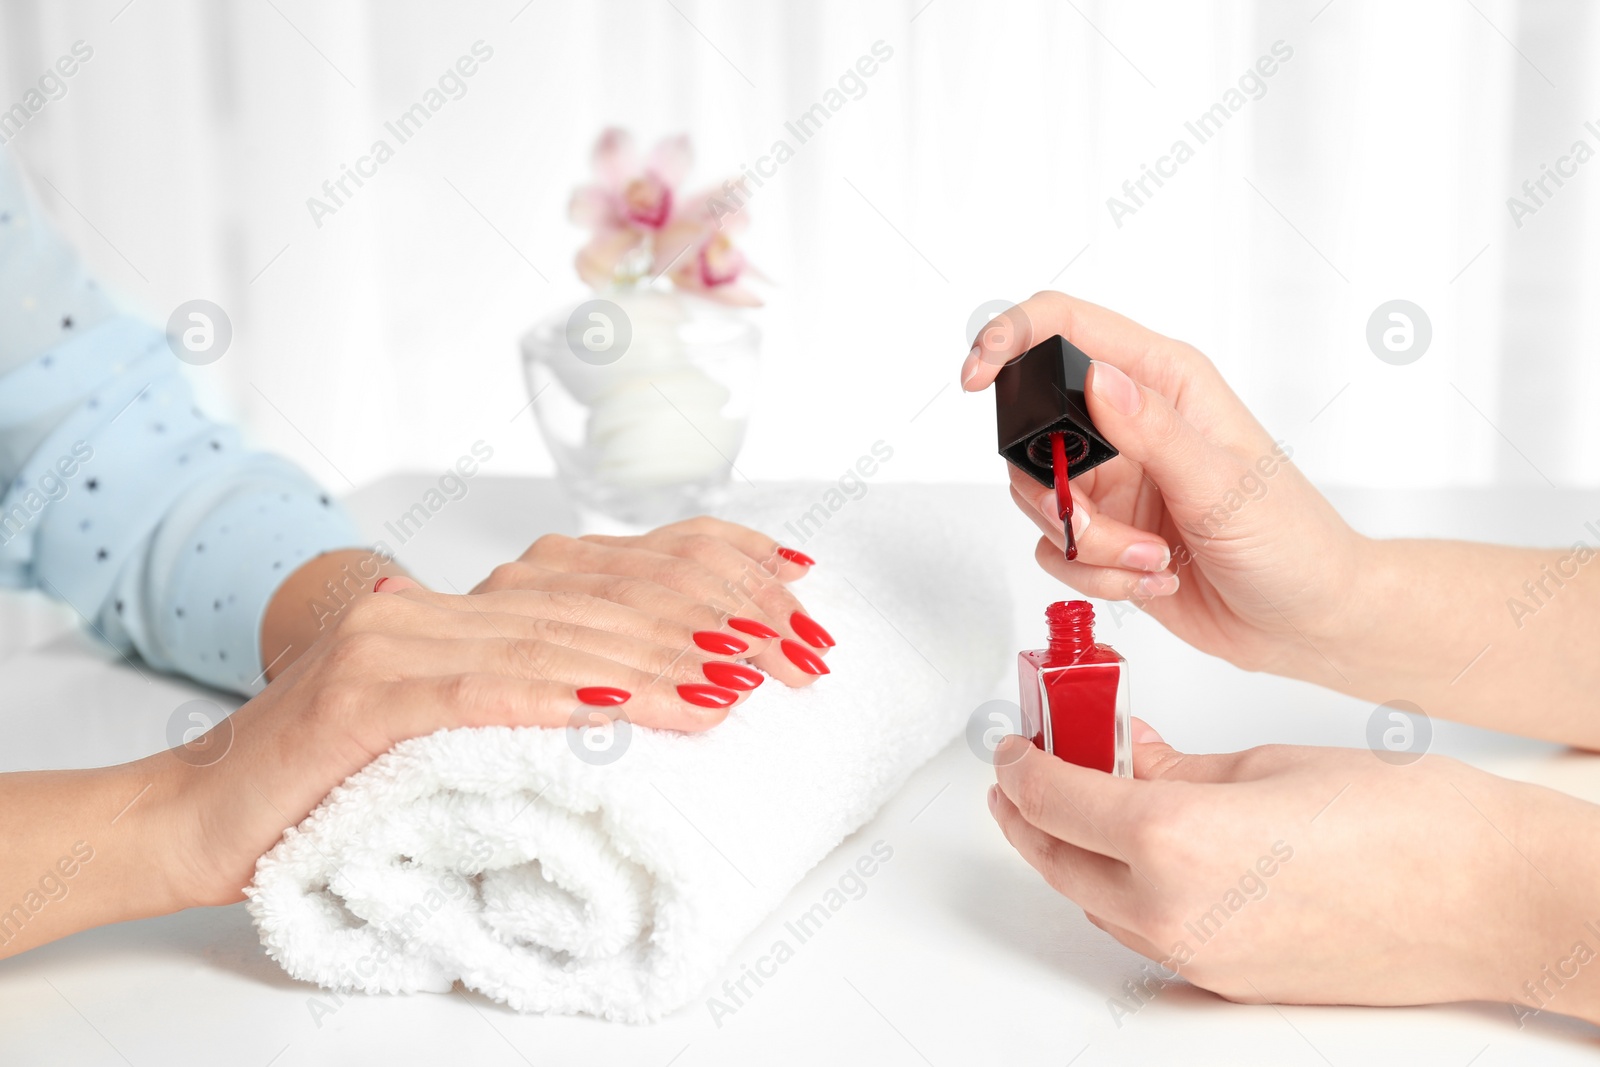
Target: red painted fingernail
716,641
733,675
752,627
804,658
377,586
708,696
810,632
796,556
603,696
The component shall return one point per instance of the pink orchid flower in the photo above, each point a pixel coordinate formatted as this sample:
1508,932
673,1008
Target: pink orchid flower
695,250
627,192
712,269
641,227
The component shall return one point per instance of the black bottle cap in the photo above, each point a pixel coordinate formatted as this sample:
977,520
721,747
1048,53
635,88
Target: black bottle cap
1040,393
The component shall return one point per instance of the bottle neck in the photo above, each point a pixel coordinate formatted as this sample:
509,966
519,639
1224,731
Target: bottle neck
1071,625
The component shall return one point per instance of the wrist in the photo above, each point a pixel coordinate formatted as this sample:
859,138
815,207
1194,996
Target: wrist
164,826
190,826
1366,576
1551,949
94,847
1336,622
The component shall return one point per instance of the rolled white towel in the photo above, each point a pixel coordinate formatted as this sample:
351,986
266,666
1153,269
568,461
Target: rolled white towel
501,859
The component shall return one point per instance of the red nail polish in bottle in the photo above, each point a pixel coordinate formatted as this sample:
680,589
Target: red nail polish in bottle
1075,693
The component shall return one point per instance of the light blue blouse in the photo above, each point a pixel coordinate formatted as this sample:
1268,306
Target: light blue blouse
121,497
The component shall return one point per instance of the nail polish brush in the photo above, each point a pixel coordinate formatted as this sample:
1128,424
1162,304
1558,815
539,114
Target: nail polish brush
1042,415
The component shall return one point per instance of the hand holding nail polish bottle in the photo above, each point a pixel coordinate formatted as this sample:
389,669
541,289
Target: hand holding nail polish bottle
1075,693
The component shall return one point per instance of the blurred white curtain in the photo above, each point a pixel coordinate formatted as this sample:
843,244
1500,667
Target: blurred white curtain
1375,164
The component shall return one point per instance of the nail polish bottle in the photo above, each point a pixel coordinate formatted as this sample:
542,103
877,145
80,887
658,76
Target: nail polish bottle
1075,693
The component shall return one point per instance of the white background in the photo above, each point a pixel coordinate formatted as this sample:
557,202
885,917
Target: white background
976,166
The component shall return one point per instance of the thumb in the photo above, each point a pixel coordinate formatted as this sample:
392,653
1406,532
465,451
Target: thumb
1154,758
1192,473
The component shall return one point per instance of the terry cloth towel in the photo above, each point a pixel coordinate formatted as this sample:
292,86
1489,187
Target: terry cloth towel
505,860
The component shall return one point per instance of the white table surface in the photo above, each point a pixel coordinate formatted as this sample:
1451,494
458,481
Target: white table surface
957,954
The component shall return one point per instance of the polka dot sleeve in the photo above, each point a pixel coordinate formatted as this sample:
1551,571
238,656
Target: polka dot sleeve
119,496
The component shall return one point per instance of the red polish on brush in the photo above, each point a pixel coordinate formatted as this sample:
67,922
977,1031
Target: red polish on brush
603,696
1061,467
721,643
707,696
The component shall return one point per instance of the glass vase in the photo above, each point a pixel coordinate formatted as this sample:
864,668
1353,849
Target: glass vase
642,396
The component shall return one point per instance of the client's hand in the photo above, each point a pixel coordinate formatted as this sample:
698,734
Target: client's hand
1316,875
726,581
400,664
1268,565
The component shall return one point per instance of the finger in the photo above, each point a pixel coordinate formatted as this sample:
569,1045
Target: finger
673,656
651,643
519,610
796,657
1103,583
660,647
1101,540
759,595
1138,942
640,594
1087,808
1093,881
774,558
795,661
650,674
689,577
1100,333
746,633
674,618
418,706
676,658
664,618
1154,758
677,618
1042,515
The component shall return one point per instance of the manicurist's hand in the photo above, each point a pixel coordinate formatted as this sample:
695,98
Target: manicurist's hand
1316,875
1265,563
185,827
727,582
1207,525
